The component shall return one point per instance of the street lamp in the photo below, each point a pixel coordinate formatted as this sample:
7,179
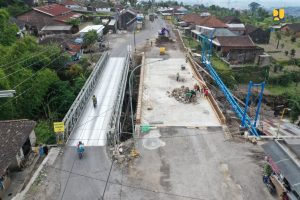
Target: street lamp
130,92
288,109
7,93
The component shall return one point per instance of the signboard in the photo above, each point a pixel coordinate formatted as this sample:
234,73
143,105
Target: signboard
278,14
59,127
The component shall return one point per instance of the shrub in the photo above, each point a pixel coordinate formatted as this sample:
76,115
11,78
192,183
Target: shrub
44,133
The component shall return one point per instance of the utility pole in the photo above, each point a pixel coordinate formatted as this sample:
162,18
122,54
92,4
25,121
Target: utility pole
134,42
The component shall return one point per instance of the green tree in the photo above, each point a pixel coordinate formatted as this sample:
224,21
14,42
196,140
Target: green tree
253,7
74,22
293,53
89,39
8,32
286,53
293,39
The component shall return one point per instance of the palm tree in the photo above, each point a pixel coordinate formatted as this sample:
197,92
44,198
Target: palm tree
278,37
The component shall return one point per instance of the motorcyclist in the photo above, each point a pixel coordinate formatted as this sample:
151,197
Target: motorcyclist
94,100
80,149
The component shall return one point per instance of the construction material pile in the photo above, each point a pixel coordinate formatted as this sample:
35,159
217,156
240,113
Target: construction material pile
125,152
180,94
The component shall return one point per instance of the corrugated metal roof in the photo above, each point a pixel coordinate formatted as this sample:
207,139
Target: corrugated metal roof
57,28
92,27
112,22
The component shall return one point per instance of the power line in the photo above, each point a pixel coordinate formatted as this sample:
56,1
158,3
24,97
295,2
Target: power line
16,97
36,72
22,60
23,68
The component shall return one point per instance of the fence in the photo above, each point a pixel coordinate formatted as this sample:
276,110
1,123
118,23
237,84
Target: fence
113,135
83,97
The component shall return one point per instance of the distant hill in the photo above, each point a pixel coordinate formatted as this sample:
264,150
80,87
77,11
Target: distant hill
293,11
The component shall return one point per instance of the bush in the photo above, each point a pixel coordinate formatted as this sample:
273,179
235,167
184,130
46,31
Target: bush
44,133
293,39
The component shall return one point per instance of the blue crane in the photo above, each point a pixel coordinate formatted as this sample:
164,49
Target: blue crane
242,114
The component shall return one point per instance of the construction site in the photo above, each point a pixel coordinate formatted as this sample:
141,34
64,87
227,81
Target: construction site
181,134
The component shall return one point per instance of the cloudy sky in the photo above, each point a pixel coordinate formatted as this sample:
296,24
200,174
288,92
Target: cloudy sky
244,3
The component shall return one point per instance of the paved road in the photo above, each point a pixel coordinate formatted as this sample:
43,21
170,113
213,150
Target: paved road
93,123
69,178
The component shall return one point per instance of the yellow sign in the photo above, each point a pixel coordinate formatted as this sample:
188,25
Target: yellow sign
59,127
278,14
162,50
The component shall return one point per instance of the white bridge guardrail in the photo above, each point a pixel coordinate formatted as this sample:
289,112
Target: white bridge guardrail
113,134
82,98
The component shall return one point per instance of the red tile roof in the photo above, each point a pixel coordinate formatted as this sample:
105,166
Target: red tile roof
191,18
208,21
53,9
211,21
235,41
75,48
67,17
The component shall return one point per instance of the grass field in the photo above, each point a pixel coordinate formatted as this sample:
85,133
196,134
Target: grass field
279,90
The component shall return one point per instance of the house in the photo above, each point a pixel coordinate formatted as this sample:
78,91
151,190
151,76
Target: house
112,25
205,26
71,4
20,25
237,49
16,141
98,28
31,3
203,31
210,21
53,14
292,29
231,20
126,19
67,29
68,43
179,11
74,50
239,29
205,14
257,35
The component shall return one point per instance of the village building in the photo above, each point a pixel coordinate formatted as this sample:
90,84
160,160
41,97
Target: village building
293,29
258,35
237,49
49,15
16,142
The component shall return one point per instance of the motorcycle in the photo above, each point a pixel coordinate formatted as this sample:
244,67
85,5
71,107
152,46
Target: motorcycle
80,151
269,184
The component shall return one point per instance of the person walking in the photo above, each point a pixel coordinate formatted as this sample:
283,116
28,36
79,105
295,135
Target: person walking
206,92
177,76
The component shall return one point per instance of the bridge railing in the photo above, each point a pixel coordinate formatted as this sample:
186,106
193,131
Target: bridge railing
83,97
113,134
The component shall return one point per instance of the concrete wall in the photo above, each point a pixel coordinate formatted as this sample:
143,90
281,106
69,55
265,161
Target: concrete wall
32,138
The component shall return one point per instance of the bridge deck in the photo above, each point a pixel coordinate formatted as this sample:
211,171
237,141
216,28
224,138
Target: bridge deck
93,123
